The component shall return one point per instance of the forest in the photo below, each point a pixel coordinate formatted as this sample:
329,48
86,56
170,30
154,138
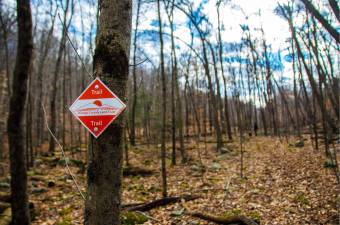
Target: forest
188,112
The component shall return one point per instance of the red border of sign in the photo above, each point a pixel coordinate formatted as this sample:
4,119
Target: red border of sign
119,112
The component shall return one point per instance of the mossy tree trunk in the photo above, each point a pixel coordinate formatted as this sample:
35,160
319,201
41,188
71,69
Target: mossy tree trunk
111,64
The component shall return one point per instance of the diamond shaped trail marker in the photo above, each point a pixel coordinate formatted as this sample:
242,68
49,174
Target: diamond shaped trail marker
97,107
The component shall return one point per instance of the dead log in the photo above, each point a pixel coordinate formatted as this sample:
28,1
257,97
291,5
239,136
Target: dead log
161,202
129,205
239,220
136,171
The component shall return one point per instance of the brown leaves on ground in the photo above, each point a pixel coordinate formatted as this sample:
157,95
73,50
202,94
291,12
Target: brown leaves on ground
282,185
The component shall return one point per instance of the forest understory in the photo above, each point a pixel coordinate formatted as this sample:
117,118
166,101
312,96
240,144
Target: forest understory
285,182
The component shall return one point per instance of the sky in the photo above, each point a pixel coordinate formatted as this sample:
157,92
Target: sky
233,14
275,28
253,13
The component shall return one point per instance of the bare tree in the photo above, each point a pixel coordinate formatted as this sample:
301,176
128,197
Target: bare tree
53,113
19,198
134,78
331,30
163,136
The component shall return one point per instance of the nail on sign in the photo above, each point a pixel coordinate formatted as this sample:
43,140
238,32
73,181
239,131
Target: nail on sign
97,107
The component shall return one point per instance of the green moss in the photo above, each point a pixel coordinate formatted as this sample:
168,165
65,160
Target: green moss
184,185
147,162
258,146
30,173
141,198
301,198
65,211
299,144
154,189
291,149
66,221
233,212
255,215
243,179
329,164
132,218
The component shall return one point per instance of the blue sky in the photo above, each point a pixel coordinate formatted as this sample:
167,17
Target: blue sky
252,13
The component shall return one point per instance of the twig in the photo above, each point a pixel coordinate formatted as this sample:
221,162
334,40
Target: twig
162,202
226,189
139,63
147,216
63,153
74,48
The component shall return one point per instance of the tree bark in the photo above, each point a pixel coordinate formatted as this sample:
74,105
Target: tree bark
134,77
335,7
331,30
19,197
53,113
220,51
163,136
44,50
111,64
175,93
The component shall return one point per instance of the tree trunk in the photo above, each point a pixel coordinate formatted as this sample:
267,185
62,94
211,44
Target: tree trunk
331,30
163,136
111,64
5,38
175,94
173,104
296,102
53,109
213,101
134,76
44,50
19,197
220,51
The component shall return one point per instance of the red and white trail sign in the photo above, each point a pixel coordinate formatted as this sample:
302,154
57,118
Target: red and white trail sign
97,107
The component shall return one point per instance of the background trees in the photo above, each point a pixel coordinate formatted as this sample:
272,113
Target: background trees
184,58
205,64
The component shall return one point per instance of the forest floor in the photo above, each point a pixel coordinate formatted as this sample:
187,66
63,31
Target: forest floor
282,184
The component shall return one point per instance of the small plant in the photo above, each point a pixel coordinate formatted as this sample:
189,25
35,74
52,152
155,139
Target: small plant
329,164
299,144
233,212
255,215
65,211
66,221
132,218
301,198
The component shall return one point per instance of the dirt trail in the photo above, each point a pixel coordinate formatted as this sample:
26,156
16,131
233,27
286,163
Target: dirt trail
283,185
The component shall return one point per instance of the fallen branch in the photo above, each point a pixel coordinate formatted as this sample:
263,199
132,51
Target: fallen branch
147,216
136,171
241,220
129,205
161,202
